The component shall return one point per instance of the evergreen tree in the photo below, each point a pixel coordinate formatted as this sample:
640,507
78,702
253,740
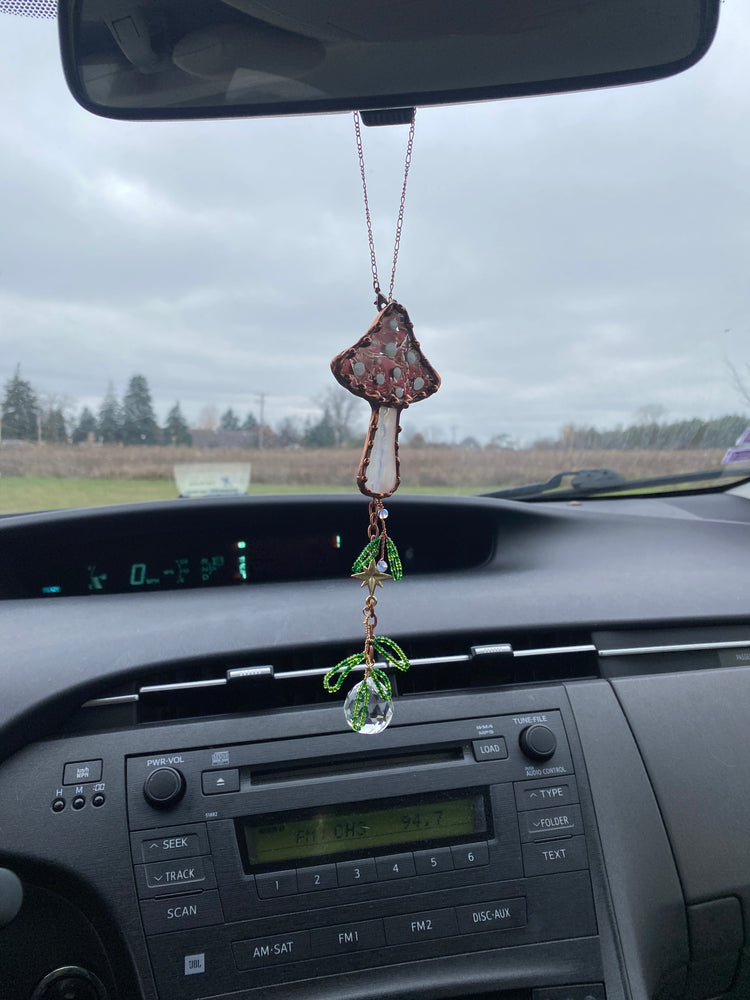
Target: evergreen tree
109,424
56,417
229,421
87,424
176,430
290,434
19,409
54,428
250,423
138,420
322,434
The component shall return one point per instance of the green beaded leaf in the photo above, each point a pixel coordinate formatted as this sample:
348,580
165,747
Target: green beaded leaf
359,709
392,652
381,682
368,553
394,560
337,675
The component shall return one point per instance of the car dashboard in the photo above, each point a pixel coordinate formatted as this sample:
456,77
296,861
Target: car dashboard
558,810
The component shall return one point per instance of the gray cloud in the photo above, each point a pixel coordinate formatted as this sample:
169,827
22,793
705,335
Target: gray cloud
569,258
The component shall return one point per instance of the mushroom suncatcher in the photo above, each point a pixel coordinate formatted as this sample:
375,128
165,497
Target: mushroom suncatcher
387,368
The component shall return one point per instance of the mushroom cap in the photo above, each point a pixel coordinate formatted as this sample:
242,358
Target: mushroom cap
386,366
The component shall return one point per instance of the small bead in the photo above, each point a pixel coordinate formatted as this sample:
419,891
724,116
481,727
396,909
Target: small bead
383,513
381,566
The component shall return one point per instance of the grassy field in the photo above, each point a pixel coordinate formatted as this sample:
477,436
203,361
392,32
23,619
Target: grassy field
43,477
40,493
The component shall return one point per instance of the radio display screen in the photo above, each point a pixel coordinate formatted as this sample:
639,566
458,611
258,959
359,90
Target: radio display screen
413,821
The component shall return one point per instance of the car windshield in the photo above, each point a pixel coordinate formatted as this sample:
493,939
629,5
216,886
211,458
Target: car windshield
171,294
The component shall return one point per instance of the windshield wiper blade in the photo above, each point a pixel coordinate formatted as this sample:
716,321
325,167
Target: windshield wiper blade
581,479
607,482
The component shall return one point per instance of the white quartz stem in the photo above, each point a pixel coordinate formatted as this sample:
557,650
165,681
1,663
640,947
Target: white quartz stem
382,476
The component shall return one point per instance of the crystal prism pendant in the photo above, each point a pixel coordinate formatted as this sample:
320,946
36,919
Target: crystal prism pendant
377,714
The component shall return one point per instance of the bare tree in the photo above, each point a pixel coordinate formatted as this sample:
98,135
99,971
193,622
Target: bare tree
57,414
741,382
340,406
651,413
208,418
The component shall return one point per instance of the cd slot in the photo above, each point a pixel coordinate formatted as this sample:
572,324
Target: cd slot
275,775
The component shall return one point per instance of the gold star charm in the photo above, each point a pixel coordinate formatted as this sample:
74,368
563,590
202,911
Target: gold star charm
372,577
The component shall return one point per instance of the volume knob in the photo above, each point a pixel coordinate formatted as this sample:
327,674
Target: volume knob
538,742
164,787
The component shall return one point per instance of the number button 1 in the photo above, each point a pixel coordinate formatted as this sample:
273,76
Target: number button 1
276,884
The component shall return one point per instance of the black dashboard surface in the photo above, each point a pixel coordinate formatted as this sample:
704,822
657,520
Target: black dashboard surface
537,567
650,595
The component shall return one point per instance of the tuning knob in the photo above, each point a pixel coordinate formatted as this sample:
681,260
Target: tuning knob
164,787
538,742
70,982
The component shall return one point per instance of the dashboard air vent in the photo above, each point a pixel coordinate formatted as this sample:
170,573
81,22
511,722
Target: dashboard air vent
293,678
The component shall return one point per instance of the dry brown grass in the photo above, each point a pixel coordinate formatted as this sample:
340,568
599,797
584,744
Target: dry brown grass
425,467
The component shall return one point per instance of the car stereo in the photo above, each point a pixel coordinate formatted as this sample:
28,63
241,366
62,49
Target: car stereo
275,862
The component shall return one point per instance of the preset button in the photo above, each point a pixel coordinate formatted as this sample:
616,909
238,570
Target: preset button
321,877
492,916
276,884
471,855
277,950
348,937
356,872
439,860
421,926
395,866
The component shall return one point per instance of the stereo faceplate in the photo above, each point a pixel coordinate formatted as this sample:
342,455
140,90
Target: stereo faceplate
279,861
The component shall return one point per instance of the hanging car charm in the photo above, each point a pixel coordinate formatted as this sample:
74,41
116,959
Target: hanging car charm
387,368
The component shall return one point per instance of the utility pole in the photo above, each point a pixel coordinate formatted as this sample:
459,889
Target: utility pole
262,397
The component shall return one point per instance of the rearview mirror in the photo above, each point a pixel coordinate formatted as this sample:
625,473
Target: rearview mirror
234,58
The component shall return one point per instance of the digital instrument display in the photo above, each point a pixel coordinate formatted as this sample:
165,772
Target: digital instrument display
320,833
169,563
186,545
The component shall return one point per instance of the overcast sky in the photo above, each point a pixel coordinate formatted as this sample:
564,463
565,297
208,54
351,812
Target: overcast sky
566,258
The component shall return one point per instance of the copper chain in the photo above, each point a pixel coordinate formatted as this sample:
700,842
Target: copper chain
376,525
380,299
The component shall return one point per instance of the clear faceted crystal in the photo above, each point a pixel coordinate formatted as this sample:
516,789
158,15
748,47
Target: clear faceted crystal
379,710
